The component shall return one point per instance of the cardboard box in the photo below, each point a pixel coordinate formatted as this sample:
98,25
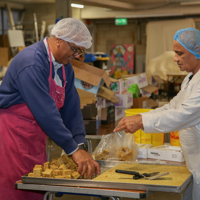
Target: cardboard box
98,118
118,113
166,152
140,79
88,104
108,115
143,150
89,78
90,127
132,80
147,90
125,100
156,80
107,103
120,86
108,94
21,48
152,103
86,97
99,103
140,102
4,41
4,56
89,111
123,111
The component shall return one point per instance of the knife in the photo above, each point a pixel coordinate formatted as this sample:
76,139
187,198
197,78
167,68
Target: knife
137,175
127,172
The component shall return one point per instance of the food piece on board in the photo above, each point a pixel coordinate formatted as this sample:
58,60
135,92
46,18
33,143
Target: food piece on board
75,175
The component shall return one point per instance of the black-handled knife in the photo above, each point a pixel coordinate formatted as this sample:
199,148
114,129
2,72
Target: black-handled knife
127,172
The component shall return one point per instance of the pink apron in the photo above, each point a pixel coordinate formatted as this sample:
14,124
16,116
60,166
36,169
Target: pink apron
23,143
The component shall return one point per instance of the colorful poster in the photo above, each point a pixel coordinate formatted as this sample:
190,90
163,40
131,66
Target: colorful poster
122,58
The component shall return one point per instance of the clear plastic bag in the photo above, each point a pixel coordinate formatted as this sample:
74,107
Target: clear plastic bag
102,150
118,146
123,147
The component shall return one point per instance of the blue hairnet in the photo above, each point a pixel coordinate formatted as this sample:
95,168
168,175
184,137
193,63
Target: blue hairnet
190,39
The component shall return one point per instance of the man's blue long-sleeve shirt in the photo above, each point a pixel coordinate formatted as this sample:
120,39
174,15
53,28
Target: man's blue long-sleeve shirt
26,81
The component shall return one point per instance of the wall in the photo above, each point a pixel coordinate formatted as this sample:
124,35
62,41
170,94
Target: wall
44,11
107,33
90,12
104,31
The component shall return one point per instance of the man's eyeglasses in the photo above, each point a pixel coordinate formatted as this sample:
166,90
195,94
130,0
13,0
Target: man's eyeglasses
76,52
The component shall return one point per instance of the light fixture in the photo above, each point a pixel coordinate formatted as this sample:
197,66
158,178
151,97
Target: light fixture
77,5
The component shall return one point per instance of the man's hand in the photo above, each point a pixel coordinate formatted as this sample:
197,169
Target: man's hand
130,124
85,163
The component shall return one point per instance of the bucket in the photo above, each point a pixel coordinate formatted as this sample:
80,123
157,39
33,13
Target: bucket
137,134
156,139
174,138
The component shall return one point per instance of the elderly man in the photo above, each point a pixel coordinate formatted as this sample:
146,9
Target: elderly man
38,99
183,111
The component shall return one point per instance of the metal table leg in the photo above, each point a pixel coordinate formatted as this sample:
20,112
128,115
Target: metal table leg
48,194
89,143
115,198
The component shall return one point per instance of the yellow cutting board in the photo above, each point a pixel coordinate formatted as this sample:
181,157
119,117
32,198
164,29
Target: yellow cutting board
176,177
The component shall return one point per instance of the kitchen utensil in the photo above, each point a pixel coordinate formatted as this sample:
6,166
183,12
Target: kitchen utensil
145,175
157,176
137,175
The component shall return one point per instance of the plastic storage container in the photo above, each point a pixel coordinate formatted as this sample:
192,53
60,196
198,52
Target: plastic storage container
174,139
156,139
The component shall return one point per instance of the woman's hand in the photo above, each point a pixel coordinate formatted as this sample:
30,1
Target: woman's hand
130,124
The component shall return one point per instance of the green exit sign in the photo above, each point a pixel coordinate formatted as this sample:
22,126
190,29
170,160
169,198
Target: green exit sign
121,21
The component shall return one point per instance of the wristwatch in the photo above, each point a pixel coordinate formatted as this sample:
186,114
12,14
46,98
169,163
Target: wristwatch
83,146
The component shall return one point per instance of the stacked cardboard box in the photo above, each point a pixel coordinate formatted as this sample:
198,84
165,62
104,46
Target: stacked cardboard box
163,152
146,87
92,85
107,93
166,152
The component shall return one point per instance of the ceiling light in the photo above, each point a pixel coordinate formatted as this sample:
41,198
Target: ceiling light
77,5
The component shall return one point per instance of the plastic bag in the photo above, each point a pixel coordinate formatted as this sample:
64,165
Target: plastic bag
102,150
123,147
118,146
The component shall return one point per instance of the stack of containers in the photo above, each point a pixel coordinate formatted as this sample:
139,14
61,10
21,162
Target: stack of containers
156,139
174,138
125,99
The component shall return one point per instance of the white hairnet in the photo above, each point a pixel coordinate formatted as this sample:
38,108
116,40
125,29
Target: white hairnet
190,39
74,31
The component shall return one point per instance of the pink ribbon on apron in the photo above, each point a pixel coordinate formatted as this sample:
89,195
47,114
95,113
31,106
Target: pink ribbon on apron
23,143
